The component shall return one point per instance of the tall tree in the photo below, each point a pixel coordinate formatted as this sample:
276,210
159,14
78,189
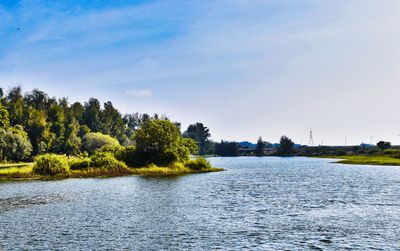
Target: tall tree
112,121
200,134
92,115
15,106
286,146
260,146
4,120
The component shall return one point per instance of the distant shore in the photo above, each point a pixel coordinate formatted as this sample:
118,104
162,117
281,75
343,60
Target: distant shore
365,160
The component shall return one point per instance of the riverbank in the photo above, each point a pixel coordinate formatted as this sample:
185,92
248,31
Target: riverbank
24,171
365,160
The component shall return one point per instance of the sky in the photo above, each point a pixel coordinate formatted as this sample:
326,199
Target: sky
244,68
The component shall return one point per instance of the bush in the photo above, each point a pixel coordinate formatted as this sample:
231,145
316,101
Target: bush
115,150
132,158
80,164
50,164
198,164
95,140
107,160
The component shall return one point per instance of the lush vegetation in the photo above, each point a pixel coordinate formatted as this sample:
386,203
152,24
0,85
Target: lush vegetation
87,140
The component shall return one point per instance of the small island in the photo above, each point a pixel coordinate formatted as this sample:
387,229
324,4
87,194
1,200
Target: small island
46,138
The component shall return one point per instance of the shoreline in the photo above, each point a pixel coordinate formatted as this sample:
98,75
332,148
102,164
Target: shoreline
13,173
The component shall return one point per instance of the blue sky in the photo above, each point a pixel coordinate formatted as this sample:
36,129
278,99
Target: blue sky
244,68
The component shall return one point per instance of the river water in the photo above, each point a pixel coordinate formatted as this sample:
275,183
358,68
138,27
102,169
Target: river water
256,204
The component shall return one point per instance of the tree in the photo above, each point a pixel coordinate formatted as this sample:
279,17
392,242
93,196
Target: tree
73,142
95,140
15,106
286,146
160,142
38,131
226,148
382,145
200,134
91,115
260,146
112,122
14,144
56,118
4,120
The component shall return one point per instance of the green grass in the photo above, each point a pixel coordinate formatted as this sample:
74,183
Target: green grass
6,166
12,172
165,171
16,171
367,160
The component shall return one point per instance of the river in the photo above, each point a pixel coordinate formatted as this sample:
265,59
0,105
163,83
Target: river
256,204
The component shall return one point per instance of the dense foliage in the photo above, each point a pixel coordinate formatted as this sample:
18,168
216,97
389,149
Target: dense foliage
201,134
285,146
50,165
160,142
35,123
95,140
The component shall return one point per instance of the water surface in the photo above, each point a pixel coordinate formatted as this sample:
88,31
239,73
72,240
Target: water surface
257,203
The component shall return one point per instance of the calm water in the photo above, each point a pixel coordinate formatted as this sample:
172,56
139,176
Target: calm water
258,203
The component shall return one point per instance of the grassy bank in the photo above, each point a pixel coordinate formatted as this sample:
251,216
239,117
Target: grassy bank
367,160
24,171
166,171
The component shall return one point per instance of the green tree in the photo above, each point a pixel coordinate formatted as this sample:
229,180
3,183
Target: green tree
15,106
39,132
161,143
95,140
260,146
226,148
56,123
73,142
382,145
4,120
200,134
112,122
14,144
91,115
286,146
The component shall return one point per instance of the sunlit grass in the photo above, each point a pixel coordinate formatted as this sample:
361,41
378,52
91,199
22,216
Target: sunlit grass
368,160
4,166
16,171
24,171
174,170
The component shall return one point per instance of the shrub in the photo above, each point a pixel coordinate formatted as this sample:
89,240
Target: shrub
50,164
133,158
107,160
94,140
115,150
198,164
80,164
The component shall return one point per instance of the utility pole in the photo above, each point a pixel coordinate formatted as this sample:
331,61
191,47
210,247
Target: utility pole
311,140
345,141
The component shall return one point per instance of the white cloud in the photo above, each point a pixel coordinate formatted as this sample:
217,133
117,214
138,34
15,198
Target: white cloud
139,93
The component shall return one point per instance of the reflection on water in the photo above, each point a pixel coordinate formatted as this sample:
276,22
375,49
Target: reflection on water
258,203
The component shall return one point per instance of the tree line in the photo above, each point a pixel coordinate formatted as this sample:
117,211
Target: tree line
34,123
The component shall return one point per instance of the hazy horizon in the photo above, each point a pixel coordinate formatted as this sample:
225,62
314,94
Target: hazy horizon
243,68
